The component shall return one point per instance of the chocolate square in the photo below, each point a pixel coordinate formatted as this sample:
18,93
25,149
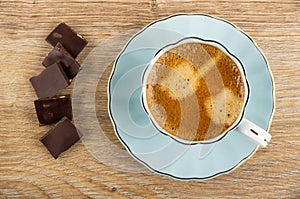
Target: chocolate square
73,42
61,55
51,110
50,81
61,137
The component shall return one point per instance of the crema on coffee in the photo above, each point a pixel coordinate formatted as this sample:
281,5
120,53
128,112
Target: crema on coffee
195,91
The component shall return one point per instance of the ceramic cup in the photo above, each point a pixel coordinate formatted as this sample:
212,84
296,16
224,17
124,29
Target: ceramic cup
242,124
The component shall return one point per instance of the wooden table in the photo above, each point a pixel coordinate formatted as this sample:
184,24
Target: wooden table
26,168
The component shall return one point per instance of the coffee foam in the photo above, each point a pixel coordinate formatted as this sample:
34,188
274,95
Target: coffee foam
198,89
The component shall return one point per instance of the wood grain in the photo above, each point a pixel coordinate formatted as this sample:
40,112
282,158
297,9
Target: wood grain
28,171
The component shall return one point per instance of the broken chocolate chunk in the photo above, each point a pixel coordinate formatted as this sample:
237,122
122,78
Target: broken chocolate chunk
73,42
50,81
61,55
61,137
51,110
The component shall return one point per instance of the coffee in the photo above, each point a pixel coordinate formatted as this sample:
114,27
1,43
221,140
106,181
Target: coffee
195,91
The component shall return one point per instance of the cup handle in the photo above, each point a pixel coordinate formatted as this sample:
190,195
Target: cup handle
254,132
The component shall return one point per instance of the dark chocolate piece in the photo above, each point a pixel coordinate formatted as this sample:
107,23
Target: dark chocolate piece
50,81
61,137
51,110
73,42
61,55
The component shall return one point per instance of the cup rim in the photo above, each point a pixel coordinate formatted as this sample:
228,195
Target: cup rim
202,41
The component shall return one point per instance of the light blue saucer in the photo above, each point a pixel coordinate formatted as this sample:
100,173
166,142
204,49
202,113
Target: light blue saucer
159,152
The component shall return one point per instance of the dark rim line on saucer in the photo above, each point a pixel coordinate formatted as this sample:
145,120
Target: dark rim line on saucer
241,116
114,123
